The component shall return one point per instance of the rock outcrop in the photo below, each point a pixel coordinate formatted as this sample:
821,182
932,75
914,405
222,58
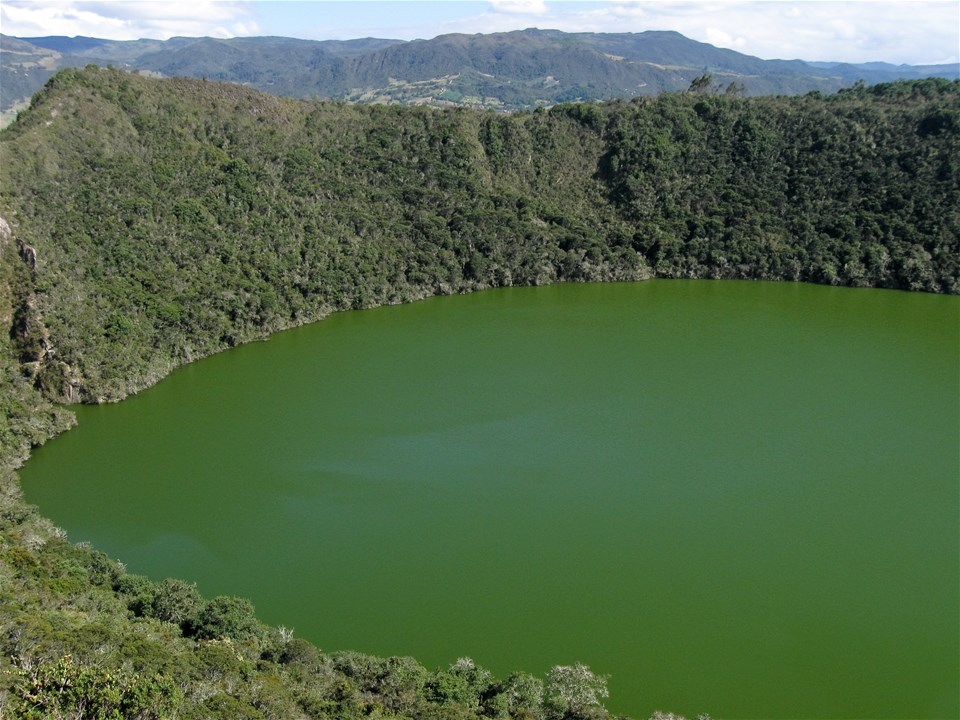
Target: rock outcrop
23,321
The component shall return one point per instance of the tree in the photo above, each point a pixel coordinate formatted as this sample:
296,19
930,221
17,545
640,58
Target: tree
523,694
65,688
574,690
735,89
226,616
175,601
701,85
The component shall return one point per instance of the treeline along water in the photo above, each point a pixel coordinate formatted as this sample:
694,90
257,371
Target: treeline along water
732,497
173,219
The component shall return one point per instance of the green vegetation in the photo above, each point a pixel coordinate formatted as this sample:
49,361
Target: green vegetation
82,638
155,222
192,216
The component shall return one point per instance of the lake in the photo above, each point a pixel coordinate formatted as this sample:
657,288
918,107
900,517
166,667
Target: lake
737,498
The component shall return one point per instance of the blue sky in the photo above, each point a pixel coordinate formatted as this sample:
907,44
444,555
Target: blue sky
907,31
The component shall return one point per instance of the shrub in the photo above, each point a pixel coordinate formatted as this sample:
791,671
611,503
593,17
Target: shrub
226,616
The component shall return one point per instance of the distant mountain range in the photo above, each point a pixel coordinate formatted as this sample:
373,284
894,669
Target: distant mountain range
511,70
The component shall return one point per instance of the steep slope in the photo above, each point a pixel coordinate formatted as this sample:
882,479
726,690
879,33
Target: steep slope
229,214
192,216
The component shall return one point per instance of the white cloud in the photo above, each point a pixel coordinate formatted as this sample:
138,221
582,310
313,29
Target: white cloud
852,31
125,20
848,31
519,7
718,37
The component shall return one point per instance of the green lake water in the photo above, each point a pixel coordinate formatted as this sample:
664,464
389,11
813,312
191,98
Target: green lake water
735,498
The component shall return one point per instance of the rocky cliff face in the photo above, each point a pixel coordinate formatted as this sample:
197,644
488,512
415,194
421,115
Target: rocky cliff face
30,346
6,314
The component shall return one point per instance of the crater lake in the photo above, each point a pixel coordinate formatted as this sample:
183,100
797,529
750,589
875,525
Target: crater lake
735,498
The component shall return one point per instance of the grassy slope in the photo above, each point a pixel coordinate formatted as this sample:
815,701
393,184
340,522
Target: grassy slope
174,219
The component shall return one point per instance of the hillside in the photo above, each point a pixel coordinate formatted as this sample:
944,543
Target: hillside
194,216
153,222
511,70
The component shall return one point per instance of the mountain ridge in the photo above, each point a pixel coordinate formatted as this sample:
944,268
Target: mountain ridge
515,70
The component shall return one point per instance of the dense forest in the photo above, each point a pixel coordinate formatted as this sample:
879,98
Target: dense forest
149,223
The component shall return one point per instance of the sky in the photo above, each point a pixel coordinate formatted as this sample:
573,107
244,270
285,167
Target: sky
904,31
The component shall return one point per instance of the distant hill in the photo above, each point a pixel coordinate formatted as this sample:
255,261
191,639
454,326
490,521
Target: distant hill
24,68
512,70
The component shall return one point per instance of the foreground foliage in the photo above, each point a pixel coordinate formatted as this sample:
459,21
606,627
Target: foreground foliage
80,637
152,223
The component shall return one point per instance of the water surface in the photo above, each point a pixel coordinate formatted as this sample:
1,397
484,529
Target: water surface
734,498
